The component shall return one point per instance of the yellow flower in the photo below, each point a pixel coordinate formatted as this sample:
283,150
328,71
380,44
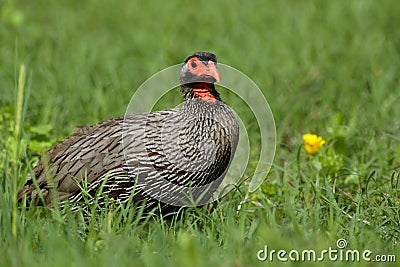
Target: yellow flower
312,143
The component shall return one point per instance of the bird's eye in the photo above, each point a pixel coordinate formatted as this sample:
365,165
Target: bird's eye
193,64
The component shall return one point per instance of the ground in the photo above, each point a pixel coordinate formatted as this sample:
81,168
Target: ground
329,68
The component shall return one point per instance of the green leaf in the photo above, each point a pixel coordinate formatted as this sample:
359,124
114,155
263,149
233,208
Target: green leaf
44,129
341,146
39,146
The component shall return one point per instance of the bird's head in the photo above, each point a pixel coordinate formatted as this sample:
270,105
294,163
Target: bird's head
198,75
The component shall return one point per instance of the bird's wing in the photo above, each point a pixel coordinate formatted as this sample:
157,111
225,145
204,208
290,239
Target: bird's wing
92,152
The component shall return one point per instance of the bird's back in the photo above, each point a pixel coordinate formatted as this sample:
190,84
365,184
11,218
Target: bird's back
163,155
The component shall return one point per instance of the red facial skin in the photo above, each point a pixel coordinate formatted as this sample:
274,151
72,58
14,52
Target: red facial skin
197,67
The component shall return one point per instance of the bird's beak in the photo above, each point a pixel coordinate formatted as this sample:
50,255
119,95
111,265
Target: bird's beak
211,71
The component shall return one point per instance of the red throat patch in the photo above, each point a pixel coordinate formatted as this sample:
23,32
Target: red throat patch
204,91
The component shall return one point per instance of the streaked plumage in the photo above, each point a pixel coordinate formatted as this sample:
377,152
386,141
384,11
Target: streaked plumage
162,155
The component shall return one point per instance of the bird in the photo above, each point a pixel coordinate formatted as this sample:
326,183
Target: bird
166,158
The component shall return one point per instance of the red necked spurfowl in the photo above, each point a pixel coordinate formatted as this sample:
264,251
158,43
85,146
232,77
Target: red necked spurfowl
171,158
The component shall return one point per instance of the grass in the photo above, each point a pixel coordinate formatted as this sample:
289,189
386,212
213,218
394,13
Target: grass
326,67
